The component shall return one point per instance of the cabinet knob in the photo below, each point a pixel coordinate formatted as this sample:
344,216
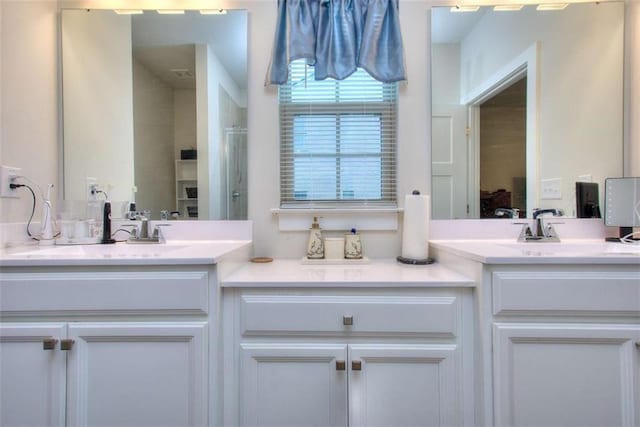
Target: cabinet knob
341,365
66,345
49,343
347,320
356,365
638,344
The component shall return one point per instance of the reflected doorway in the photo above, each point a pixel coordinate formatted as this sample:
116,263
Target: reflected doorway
502,151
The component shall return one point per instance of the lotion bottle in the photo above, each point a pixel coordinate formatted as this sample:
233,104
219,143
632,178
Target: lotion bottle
315,247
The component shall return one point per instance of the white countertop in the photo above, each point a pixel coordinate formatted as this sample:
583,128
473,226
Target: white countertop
176,252
378,273
568,251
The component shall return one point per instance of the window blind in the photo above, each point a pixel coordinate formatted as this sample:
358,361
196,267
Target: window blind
337,140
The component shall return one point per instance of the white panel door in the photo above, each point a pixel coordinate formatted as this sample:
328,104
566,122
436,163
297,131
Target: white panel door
404,385
565,375
293,385
137,374
32,379
449,160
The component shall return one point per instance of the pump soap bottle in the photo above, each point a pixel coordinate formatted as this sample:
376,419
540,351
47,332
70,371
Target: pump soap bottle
315,247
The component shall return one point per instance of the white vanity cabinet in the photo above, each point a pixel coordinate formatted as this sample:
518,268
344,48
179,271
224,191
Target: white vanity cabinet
338,357
104,346
558,331
566,345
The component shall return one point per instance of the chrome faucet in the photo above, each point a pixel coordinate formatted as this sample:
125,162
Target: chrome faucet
141,233
541,232
507,213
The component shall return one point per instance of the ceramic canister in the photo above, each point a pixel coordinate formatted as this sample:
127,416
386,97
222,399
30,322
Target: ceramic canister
352,246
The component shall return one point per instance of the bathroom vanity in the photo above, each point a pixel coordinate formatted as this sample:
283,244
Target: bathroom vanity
338,345
557,328
189,332
113,334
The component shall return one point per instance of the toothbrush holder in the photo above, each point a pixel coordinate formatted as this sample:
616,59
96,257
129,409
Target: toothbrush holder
352,246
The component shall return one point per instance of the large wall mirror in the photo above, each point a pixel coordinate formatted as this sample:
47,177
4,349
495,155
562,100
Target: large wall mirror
525,103
156,105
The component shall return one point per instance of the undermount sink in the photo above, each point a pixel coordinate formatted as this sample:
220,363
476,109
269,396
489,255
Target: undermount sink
118,250
574,248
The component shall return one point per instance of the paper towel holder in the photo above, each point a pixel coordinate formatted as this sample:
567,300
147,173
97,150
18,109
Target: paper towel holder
412,261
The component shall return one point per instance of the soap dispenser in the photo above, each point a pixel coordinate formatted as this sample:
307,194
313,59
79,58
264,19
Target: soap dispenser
315,247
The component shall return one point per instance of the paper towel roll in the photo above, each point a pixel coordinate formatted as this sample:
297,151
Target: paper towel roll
415,227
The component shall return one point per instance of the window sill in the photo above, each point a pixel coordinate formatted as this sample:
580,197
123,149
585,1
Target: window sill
342,219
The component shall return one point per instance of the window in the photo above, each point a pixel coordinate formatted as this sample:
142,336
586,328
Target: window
337,140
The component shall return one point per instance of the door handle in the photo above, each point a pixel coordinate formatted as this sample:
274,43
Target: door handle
341,365
356,365
49,343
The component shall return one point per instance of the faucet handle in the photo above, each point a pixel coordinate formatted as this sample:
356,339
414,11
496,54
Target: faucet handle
156,230
525,233
549,231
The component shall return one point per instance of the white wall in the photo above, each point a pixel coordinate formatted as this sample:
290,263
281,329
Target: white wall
154,124
632,88
98,108
29,104
33,29
184,113
212,76
580,63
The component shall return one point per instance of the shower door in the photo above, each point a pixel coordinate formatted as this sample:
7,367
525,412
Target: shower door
236,153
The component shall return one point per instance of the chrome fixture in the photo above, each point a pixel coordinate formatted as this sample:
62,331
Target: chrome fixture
141,233
507,213
541,232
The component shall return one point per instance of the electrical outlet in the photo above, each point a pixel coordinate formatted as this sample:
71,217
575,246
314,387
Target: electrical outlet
92,188
552,188
8,174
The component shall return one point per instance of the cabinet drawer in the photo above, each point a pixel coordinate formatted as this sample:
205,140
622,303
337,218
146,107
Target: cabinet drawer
570,293
314,314
104,293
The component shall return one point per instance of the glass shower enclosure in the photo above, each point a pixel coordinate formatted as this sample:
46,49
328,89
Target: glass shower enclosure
236,165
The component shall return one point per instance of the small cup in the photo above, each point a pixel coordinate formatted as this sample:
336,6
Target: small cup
333,248
67,229
352,246
81,229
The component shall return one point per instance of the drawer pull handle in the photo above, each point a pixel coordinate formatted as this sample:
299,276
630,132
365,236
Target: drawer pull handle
356,365
341,365
347,320
49,343
638,344
66,345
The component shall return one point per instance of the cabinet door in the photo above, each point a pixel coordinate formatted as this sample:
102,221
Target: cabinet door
32,379
293,385
569,375
404,385
126,374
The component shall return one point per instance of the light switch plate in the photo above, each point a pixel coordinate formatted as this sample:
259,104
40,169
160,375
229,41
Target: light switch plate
552,189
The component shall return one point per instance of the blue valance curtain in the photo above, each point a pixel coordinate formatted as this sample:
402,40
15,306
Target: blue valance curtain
338,36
